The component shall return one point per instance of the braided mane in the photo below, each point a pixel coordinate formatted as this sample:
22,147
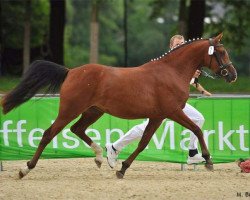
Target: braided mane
177,47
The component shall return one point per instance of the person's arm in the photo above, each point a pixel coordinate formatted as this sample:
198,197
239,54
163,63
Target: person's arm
197,85
201,89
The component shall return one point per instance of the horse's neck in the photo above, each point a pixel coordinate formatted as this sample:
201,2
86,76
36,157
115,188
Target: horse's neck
186,60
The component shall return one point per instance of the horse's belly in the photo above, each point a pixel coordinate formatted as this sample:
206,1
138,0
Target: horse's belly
129,110
133,115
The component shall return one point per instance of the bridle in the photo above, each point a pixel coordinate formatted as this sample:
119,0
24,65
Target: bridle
212,52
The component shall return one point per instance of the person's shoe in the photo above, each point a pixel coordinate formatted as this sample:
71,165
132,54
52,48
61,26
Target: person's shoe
197,158
111,155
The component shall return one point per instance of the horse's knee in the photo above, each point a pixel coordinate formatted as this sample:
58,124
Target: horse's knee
197,130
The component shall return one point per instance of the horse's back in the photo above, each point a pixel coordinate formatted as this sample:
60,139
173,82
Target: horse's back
123,92
108,88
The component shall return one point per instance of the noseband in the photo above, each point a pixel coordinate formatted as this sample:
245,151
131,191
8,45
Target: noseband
212,51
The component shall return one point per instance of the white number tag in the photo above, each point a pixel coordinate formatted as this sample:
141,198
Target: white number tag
211,50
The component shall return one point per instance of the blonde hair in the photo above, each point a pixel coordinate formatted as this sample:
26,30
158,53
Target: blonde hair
180,37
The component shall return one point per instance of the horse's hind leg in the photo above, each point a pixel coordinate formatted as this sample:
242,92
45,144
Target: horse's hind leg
48,135
180,117
152,126
89,117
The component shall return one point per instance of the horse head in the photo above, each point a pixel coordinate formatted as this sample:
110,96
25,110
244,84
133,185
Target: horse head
217,60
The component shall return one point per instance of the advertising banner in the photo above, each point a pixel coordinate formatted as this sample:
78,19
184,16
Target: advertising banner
226,132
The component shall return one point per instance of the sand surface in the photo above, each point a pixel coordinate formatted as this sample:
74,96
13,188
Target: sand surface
81,179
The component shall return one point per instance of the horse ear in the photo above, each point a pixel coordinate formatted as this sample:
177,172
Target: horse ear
218,38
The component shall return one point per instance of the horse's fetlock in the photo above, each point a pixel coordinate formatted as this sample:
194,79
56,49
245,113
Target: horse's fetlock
206,156
125,165
30,165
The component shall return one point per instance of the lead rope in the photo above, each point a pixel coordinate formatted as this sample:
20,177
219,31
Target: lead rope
207,75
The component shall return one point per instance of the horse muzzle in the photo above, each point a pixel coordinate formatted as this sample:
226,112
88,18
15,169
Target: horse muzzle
230,77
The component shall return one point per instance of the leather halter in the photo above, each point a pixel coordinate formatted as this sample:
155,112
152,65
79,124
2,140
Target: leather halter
223,67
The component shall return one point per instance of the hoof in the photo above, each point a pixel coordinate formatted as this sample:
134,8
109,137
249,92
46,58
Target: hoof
20,174
209,167
98,163
119,175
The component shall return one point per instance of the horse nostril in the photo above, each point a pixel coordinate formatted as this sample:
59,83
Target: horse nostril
233,77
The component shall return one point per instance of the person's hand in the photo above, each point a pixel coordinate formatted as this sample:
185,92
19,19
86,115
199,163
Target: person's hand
197,74
206,93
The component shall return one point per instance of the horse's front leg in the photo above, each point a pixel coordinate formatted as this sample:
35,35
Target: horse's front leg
180,117
147,135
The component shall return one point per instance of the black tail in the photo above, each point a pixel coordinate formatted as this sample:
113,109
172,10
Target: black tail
41,74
